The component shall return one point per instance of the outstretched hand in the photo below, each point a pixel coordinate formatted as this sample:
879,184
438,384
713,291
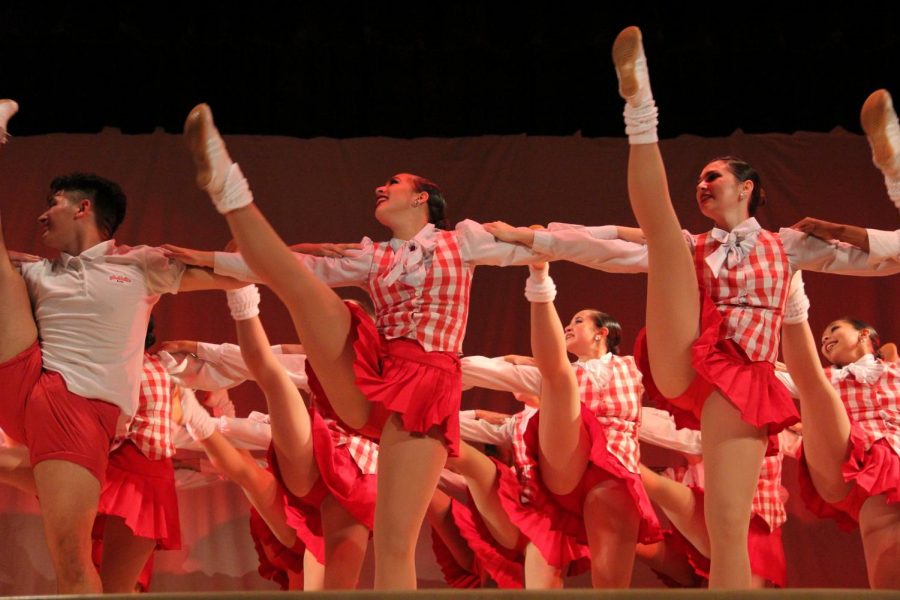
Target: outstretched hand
819,228
507,233
194,258
329,250
185,346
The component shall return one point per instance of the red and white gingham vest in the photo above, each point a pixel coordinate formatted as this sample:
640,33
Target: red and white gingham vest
434,315
617,407
875,408
751,296
151,427
768,502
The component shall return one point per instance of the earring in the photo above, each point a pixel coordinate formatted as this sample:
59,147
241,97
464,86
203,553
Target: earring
596,338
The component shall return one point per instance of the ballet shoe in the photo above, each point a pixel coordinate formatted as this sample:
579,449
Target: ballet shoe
631,66
207,149
879,121
7,109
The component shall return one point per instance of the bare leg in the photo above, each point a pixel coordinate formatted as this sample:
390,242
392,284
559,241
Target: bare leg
441,521
481,478
733,452
539,574
879,525
409,468
313,575
346,540
826,426
69,495
258,484
17,329
291,423
661,558
680,505
124,556
320,317
564,444
612,523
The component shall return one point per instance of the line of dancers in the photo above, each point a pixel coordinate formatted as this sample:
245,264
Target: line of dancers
376,444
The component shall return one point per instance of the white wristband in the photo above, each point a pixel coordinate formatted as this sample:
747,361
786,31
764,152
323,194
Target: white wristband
243,302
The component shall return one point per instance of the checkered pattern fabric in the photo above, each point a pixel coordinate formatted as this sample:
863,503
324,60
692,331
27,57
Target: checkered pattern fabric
750,296
435,315
151,427
875,408
363,450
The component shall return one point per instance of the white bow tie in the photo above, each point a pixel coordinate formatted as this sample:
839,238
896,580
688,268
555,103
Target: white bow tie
866,370
598,370
735,246
409,260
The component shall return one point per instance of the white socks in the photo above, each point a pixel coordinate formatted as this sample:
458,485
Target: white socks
243,302
235,192
539,286
634,87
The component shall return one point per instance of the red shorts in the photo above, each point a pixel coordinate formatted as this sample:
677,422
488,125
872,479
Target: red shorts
39,411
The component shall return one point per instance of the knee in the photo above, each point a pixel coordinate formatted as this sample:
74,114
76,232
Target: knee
71,553
611,502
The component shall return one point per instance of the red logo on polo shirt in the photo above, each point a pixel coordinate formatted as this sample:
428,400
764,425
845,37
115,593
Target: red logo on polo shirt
119,279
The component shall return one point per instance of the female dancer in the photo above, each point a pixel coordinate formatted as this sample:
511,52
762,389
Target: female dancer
399,380
851,445
315,504
578,493
714,307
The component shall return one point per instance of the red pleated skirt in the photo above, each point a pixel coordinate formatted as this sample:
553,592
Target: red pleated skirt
399,377
555,523
142,492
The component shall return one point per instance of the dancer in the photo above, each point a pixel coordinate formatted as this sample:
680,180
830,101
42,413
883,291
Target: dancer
713,307
317,498
398,380
138,509
88,363
578,493
851,446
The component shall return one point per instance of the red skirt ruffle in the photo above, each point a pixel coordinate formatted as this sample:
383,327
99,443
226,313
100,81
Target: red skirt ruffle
400,377
555,523
142,492
503,565
872,472
720,364
338,471
276,560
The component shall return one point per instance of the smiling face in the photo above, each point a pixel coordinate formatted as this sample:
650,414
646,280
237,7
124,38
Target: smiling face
59,221
720,194
396,197
843,344
581,334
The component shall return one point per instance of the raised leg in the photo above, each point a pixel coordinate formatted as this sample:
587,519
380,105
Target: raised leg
481,479
680,505
320,317
564,443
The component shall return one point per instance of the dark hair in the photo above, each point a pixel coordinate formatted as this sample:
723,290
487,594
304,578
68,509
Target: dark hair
106,196
437,205
859,325
150,338
742,171
601,319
